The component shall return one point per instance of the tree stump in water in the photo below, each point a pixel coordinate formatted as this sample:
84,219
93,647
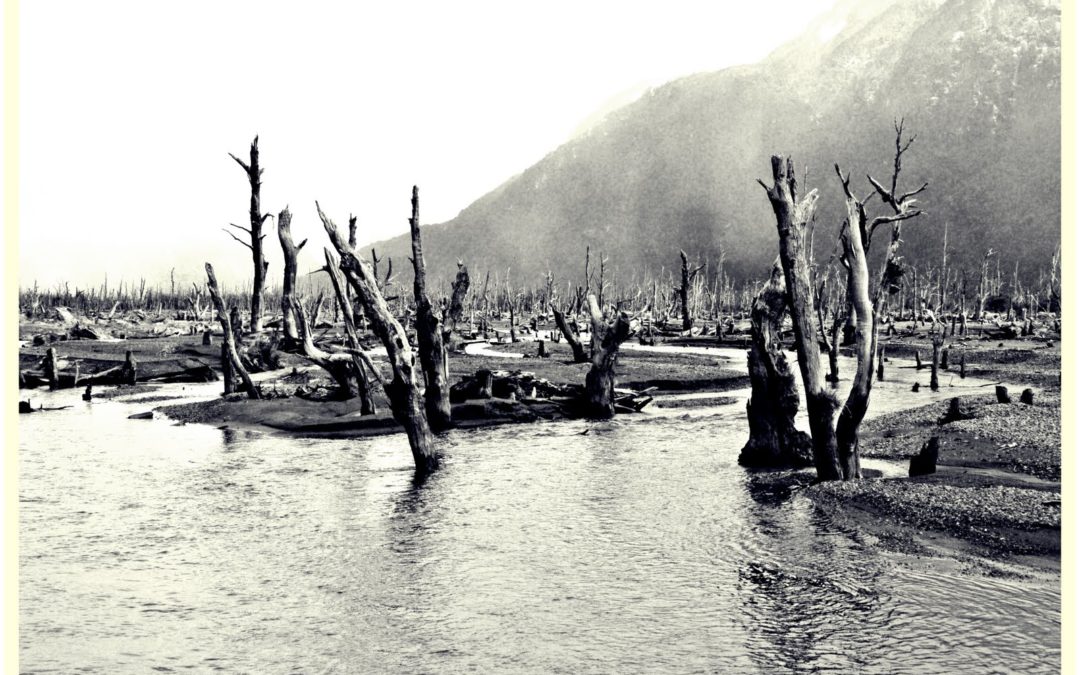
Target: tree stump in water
207,338
52,371
1027,397
918,360
881,364
945,358
915,387
129,371
963,366
89,393
1002,394
541,352
925,463
774,398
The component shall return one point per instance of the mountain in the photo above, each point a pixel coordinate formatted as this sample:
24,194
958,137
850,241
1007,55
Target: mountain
979,81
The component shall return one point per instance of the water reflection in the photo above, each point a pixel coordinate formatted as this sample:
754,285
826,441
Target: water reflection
638,546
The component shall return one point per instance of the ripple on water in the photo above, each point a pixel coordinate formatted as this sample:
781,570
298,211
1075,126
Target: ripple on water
636,547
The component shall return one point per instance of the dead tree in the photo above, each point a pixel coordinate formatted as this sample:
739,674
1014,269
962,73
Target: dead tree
229,343
256,217
429,338
404,391
571,339
774,400
792,217
288,284
687,278
360,359
455,307
343,367
600,380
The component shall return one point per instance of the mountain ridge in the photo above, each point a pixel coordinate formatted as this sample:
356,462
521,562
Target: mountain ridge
977,80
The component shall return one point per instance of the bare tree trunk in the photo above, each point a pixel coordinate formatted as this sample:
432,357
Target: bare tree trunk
774,399
571,339
227,330
687,277
456,307
367,402
256,217
600,380
52,370
792,217
288,284
429,339
406,398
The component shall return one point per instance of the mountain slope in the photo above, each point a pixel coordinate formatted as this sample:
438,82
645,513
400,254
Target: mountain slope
977,80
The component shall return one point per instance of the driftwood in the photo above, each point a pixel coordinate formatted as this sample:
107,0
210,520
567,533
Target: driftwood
227,331
342,367
404,392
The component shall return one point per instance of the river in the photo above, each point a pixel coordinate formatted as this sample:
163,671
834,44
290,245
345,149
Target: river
629,546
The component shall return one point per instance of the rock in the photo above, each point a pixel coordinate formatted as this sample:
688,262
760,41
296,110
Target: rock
925,463
39,340
149,415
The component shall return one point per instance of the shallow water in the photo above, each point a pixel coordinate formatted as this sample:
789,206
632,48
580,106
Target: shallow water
637,547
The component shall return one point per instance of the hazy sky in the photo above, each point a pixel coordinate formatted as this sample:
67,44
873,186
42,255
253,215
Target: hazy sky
128,111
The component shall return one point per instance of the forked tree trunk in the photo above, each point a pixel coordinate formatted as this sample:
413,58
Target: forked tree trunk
792,217
429,338
227,331
288,284
256,218
571,339
404,392
774,399
600,380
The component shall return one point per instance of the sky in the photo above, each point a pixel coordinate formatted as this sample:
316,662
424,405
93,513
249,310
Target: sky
128,111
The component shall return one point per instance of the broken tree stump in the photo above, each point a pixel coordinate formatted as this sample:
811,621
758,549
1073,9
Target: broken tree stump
227,330
1002,394
129,371
954,413
774,399
52,371
1027,397
541,352
925,463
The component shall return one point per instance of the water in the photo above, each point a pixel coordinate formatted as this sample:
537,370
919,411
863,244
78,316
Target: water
638,547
